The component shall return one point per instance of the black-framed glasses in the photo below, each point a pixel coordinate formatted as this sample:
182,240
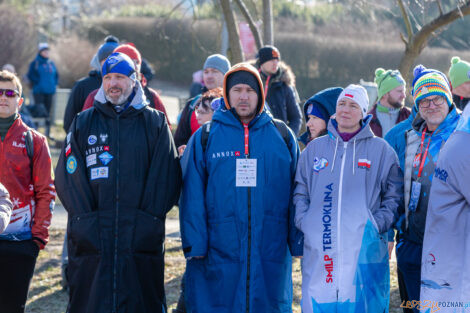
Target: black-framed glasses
9,93
426,103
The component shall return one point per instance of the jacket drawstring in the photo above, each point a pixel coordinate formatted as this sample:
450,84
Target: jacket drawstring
334,157
354,156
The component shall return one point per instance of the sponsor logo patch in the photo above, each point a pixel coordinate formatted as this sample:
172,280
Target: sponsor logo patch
103,138
91,160
225,154
364,163
105,158
99,172
92,140
441,174
319,164
18,144
71,164
106,148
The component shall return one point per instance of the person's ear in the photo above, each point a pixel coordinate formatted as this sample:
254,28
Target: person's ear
20,102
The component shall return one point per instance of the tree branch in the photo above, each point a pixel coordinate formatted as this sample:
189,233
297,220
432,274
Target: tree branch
406,19
233,34
439,5
254,29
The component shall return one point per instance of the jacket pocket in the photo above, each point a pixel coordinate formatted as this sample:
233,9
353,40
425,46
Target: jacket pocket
224,242
84,234
274,240
149,233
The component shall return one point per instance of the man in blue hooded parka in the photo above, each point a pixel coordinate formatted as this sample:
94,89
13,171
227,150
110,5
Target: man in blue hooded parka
236,214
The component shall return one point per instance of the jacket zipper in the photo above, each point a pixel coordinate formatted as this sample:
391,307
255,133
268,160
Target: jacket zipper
116,220
248,265
338,224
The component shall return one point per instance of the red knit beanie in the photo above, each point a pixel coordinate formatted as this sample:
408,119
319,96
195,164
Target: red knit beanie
130,50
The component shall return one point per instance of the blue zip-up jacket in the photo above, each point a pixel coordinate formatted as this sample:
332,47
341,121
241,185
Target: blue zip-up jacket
43,75
246,235
396,136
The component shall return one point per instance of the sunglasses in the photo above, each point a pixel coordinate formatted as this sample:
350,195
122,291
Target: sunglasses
10,93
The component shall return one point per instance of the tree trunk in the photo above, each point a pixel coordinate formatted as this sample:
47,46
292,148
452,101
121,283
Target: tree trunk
415,43
268,22
254,29
233,35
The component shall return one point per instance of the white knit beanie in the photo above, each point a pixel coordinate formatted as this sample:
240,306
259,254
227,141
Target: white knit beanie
358,94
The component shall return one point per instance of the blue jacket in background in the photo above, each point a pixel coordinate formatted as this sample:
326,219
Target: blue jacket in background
396,136
43,75
246,234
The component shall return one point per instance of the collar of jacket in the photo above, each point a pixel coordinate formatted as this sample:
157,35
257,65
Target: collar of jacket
230,118
444,129
138,102
365,131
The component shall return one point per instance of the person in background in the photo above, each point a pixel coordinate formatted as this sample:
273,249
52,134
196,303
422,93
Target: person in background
318,110
43,75
214,69
459,75
279,87
390,108
84,86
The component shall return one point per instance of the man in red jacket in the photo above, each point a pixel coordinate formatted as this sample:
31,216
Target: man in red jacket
28,178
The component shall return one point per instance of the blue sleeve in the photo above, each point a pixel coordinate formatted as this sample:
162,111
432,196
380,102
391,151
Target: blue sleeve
294,116
33,74
193,214
296,237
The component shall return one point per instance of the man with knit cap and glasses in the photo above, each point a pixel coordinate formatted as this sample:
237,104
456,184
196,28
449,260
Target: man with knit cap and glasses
390,108
459,74
117,180
436,119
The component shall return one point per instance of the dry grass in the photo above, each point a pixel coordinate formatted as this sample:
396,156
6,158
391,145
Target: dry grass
46,294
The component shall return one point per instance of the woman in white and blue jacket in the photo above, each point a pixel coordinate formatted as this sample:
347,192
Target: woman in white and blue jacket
348,189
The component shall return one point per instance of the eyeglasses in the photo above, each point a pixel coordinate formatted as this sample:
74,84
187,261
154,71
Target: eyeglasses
426,103
9,93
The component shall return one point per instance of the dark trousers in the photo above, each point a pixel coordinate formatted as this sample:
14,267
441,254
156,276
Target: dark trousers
181,306
409,263
17,261
46,100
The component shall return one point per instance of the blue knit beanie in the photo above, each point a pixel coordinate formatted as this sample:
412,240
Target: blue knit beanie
110,43
119,63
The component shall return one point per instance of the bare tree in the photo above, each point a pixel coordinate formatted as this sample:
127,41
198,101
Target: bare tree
268,22
253,27
233,34
416,42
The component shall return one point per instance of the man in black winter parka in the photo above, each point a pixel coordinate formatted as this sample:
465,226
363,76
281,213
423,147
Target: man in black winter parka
117,177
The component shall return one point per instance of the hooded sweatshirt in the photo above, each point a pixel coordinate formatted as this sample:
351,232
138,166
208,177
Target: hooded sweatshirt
346,198
246,235
445,267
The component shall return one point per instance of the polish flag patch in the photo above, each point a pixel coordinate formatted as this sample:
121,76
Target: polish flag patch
364,163
68,149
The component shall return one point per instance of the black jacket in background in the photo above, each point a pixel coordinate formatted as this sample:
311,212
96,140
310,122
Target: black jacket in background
282,97
80,91
116,226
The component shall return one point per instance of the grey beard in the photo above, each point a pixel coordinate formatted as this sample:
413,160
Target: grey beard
122,99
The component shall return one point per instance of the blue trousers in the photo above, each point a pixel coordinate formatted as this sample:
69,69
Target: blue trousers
409,263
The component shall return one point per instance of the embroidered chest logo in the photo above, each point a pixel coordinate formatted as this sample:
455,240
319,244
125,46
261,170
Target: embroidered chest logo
363,163
319,164
225,154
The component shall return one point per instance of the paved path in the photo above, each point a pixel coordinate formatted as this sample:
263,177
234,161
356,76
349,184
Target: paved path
59,220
